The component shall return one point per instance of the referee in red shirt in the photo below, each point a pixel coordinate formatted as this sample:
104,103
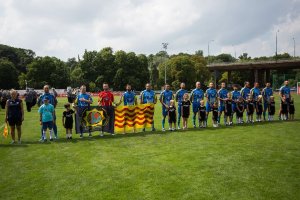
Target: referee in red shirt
106,100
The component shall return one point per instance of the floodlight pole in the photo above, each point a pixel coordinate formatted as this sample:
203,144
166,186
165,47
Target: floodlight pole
208,50
276,52
294,47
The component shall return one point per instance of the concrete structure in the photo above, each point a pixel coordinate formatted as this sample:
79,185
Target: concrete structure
260,70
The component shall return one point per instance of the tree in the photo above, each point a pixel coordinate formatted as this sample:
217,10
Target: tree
244,57
77,77
47,70
19,57
8,75
199,53
130,69
184,68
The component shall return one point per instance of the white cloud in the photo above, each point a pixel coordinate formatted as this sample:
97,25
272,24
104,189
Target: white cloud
65,28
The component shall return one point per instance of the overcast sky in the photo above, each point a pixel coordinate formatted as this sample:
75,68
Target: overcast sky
65,28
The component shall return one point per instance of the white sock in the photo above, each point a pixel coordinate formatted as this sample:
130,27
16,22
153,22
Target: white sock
44,135
50,134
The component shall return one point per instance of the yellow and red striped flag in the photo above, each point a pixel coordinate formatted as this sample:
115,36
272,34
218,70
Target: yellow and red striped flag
133,118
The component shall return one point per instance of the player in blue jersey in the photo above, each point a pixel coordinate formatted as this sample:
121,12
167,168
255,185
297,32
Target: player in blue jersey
285,92
179,98
165,97
255,91
148,96
235,94
245,92
129,97
211,95
196,96
222,96
53,101
82,102
267,92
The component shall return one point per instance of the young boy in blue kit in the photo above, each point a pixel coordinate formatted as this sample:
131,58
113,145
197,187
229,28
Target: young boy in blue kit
47,113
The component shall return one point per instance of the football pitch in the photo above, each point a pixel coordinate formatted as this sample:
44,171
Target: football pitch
260,161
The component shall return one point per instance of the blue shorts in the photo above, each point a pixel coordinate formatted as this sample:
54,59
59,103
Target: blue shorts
164,111
47,125
221,108
234,109
208,108
196,107
266,105
179,110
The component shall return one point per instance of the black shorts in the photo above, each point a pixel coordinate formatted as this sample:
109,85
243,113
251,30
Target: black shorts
14,122
69,125
228,113
239,114
250,112
215,118
292,111
172,120
202,116
71,99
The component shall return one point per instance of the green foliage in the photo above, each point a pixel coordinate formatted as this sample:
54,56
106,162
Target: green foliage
184,68
120,67
117,69
8,75
244,57
92,87
47,70
19,57
154,62
226,58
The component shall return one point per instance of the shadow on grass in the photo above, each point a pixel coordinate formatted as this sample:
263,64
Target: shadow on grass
108,136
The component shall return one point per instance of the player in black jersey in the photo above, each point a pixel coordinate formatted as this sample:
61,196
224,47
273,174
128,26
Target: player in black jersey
202,115
271,108
291,109
172,115
228,110
250,109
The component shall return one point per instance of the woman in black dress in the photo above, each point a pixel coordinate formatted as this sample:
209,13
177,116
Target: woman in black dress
14,115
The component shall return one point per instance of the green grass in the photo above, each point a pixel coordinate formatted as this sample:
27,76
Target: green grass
241,162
